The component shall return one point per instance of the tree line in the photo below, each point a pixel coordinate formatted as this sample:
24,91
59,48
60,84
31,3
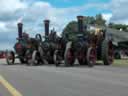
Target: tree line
94,20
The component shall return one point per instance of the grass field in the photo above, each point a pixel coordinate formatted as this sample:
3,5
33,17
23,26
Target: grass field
117,63
121,63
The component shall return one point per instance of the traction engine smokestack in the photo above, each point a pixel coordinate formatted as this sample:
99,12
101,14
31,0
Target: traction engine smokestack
46,25
80,23
20,28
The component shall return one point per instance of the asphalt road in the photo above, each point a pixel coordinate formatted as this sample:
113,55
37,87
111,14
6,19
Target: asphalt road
74,81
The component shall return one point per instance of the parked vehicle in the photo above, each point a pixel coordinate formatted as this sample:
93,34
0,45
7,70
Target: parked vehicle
86,45
26,49
48,45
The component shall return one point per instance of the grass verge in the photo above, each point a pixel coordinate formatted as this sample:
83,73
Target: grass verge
121,63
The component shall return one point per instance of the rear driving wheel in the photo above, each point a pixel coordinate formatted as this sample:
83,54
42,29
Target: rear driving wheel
91,57
69,57
107,52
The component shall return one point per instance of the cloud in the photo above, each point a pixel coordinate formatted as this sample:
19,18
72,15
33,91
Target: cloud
107,16
11,5
7,40
2,26
119,11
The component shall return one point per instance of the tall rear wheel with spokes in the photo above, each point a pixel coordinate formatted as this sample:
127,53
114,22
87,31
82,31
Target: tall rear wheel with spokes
69,57
91,57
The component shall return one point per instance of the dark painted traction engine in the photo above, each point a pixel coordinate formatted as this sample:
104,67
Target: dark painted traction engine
48,45
86,47
26,49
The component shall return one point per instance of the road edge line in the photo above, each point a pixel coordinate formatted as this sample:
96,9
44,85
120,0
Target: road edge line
9,87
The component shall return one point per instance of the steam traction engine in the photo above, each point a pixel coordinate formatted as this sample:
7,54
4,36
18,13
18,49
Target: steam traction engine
48,46
103,44
26,49
86,46
77,47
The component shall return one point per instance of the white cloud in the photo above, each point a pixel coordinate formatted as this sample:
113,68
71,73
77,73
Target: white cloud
11,5
119,11
2,26
107,16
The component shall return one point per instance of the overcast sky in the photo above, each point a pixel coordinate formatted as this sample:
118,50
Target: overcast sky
60,12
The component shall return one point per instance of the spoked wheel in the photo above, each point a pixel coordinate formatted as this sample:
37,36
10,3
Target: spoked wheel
69,57
91,57
107,53
10,57
35,58
41,51
57,58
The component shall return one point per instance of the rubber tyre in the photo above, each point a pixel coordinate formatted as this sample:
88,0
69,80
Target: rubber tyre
104,53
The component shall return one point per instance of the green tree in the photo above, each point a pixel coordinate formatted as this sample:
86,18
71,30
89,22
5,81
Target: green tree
119,26
99,20
89,20
70,30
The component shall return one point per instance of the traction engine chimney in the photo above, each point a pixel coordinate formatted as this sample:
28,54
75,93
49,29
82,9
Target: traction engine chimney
80,23
46,26
20,28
